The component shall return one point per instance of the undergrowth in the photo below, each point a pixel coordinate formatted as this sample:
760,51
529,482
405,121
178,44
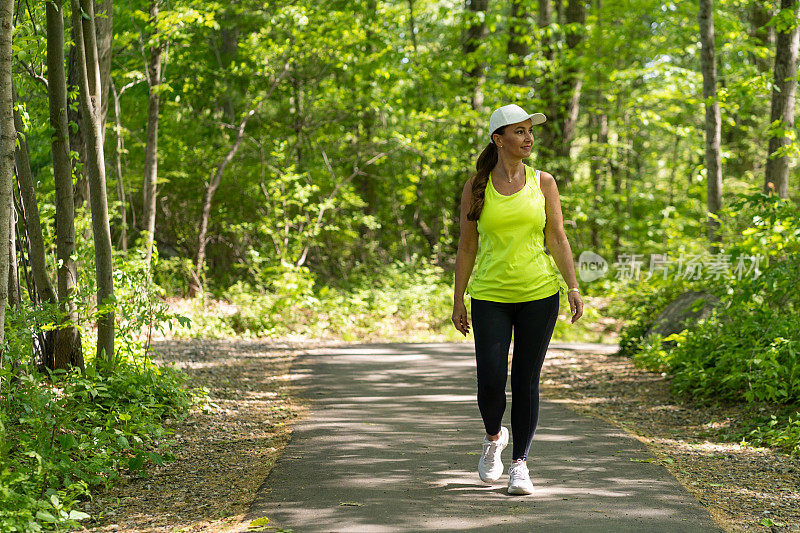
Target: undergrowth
64,434
399,302
748,349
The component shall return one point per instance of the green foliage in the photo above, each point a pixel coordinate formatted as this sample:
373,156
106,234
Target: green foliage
401,300
748,349
781,430
140,308
59,442
63,435
173,275
641,305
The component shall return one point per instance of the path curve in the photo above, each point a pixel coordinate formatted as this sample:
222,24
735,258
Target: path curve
391,443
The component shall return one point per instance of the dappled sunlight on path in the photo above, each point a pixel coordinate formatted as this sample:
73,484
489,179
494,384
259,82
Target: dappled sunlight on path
391,443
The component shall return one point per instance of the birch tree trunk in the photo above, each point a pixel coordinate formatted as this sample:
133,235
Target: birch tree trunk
784,90
151,146
713,120
89,71
7,141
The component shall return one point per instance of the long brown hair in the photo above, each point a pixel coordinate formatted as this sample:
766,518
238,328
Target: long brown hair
486,162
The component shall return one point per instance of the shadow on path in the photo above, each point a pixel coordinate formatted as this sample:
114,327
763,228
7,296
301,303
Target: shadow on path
392,441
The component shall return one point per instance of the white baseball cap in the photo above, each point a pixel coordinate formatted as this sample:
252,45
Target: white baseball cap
511,114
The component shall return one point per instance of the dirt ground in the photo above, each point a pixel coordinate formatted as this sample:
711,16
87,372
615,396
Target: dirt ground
226,451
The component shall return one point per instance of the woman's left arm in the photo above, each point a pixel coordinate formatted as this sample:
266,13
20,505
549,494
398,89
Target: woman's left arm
557,242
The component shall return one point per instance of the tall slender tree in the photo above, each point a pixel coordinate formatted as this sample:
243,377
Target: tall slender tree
104,25
474,34
713,120
208,198
561,89
7,139
519,41
30,208
67,346
151,146
784,90
90,97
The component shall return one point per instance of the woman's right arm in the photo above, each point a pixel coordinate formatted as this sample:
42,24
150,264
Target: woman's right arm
465,260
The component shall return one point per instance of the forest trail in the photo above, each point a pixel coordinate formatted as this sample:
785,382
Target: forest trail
391,443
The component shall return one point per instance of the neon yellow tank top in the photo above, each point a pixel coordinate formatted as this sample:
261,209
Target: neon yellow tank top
511,264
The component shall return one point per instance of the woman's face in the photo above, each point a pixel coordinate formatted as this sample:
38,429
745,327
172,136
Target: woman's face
517,139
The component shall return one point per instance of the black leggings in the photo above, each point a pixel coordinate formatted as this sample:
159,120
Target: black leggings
533,324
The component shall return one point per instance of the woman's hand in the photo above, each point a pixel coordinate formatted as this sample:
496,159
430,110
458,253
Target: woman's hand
460,320
575,305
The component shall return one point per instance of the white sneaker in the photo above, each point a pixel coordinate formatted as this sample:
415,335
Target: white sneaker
519,481
490,465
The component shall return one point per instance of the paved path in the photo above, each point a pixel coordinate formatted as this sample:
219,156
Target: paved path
391,443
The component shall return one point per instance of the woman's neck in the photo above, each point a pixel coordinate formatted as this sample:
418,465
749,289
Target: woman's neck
508,167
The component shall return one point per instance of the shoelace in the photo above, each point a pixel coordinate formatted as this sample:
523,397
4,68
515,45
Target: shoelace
489,449
518,472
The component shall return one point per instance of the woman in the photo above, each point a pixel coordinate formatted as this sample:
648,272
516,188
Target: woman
510,209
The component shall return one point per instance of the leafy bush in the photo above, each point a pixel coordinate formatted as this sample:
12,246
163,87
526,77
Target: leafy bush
63,434
748,348
57,443
400,299
641,305
780,430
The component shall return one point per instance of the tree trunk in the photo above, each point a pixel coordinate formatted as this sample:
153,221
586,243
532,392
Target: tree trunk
544,18
474,34
89,69
104,22
784,90
365,183
8,138
298,118
80,191
598,169
576,14
123,211
519,29
545,86
713,120
13,286
30,209
562,94
151,146
68,347
765,35
13,274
